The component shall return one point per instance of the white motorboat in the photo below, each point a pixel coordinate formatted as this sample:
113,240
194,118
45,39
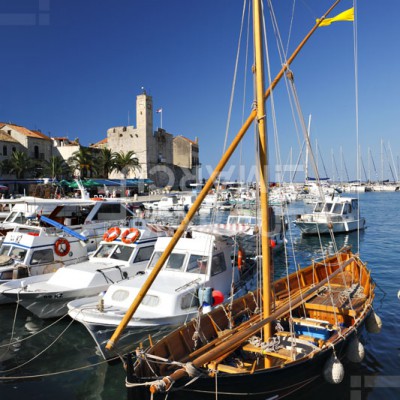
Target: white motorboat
334,214
199,272
91,216
251,218
166,203
30,251
119,257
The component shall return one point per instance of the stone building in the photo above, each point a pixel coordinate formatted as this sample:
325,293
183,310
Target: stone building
37,145
155,150
65,148
163,158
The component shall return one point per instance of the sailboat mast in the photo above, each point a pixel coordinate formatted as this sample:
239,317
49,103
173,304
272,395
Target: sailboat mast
263,170
306,163
218,169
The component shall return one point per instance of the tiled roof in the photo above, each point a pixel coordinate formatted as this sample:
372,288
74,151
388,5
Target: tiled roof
5,137
25,131
100,144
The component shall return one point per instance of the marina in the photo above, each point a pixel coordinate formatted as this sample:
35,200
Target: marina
63,360
269,280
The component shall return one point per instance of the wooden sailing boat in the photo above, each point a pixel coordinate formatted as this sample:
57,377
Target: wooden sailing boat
271,341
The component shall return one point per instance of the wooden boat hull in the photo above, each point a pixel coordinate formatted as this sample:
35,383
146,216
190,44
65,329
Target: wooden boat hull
259,385
284,374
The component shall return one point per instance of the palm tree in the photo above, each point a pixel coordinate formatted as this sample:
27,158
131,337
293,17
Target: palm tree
83,161
56,167
124,162
106,162
19,163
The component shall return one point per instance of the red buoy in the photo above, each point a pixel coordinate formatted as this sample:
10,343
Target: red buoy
218,297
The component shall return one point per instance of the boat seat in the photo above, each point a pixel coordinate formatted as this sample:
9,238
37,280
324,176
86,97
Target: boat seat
230,369
313,322
313,340
256,349
330,308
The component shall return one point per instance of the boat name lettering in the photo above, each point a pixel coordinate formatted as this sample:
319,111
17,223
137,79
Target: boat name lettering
15,238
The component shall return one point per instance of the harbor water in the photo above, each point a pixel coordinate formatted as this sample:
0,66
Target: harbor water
57,359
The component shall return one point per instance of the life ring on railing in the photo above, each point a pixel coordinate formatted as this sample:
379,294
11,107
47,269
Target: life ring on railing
240,258
111,234
130,235
62,247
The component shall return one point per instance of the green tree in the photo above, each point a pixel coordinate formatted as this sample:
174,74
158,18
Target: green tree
19,164
56,167
124,162
106,162
84,161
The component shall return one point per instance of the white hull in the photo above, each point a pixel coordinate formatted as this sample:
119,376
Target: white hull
315,228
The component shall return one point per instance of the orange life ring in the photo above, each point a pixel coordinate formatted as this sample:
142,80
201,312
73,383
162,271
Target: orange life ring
62,247
240,258
111,234
130,235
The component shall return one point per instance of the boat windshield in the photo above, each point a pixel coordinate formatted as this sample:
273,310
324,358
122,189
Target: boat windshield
174,262
16,217
197,264
17,253
337,209
104,251
122,253
318,207
4,250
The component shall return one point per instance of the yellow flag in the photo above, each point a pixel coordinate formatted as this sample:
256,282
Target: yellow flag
347,15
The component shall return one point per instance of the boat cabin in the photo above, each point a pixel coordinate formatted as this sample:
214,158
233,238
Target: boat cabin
29,251
343,207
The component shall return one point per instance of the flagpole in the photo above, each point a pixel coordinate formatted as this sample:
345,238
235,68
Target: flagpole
159,111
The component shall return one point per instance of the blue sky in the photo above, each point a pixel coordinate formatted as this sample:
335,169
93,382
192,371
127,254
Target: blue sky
74,68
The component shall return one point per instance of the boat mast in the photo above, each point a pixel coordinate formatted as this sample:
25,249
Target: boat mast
263,165
218,169
306,163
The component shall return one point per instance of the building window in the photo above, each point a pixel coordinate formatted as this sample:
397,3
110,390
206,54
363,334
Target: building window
36,152
4,150
14,149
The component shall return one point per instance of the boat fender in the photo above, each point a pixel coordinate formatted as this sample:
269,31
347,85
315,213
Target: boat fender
272,243
112,234
241,256
130,235
218,297
355,351
62,247
205,295
333,370
373,323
